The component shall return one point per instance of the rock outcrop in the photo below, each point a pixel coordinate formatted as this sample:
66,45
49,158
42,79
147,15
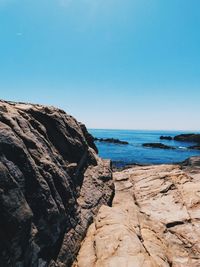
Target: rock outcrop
157,145
154,220
52,183
162,137
111,141
194,138
192,163
188,138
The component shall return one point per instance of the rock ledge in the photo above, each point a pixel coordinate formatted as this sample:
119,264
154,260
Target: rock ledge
154,221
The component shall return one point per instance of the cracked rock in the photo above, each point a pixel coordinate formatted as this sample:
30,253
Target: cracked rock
153,222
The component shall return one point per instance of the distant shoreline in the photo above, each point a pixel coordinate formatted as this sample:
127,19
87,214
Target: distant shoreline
158,151
145,130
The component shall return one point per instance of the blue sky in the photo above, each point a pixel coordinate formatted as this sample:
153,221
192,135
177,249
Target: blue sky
130,64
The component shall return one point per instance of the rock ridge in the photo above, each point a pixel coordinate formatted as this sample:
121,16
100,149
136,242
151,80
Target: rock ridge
52,183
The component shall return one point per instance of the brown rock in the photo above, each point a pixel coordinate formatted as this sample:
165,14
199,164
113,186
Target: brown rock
52,183
154,221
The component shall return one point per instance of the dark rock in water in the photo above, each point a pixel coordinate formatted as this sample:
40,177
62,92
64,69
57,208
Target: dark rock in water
194,147
188,138
158,145
111,140
52,183
165,137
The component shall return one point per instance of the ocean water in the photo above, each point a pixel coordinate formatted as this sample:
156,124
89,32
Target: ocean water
122,155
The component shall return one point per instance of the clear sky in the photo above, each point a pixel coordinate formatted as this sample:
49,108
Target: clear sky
132,64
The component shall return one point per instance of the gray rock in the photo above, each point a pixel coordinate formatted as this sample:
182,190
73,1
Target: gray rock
52,183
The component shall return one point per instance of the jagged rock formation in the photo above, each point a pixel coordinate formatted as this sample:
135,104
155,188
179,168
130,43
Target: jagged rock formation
52,183
154,220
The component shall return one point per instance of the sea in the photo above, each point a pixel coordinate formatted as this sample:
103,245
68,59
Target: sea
135,153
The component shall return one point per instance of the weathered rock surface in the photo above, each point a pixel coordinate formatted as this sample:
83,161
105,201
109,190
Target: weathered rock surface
154,220
52,183
157,145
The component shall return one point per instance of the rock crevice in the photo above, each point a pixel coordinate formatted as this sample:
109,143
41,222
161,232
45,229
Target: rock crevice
52,183
153,221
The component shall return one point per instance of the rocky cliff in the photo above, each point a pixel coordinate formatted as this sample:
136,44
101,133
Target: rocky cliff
52,183
154,220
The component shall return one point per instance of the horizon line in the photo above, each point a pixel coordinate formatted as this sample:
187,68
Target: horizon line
131,129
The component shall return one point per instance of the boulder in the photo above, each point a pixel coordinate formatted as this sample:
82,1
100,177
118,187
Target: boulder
52,183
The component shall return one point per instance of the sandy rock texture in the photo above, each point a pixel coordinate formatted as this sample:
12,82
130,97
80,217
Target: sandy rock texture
154,220
52,183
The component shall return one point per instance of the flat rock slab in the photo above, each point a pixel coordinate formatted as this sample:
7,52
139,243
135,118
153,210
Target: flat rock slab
154,221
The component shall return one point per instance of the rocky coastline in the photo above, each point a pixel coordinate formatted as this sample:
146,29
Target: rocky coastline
52,183
192,138
154,220
61,205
